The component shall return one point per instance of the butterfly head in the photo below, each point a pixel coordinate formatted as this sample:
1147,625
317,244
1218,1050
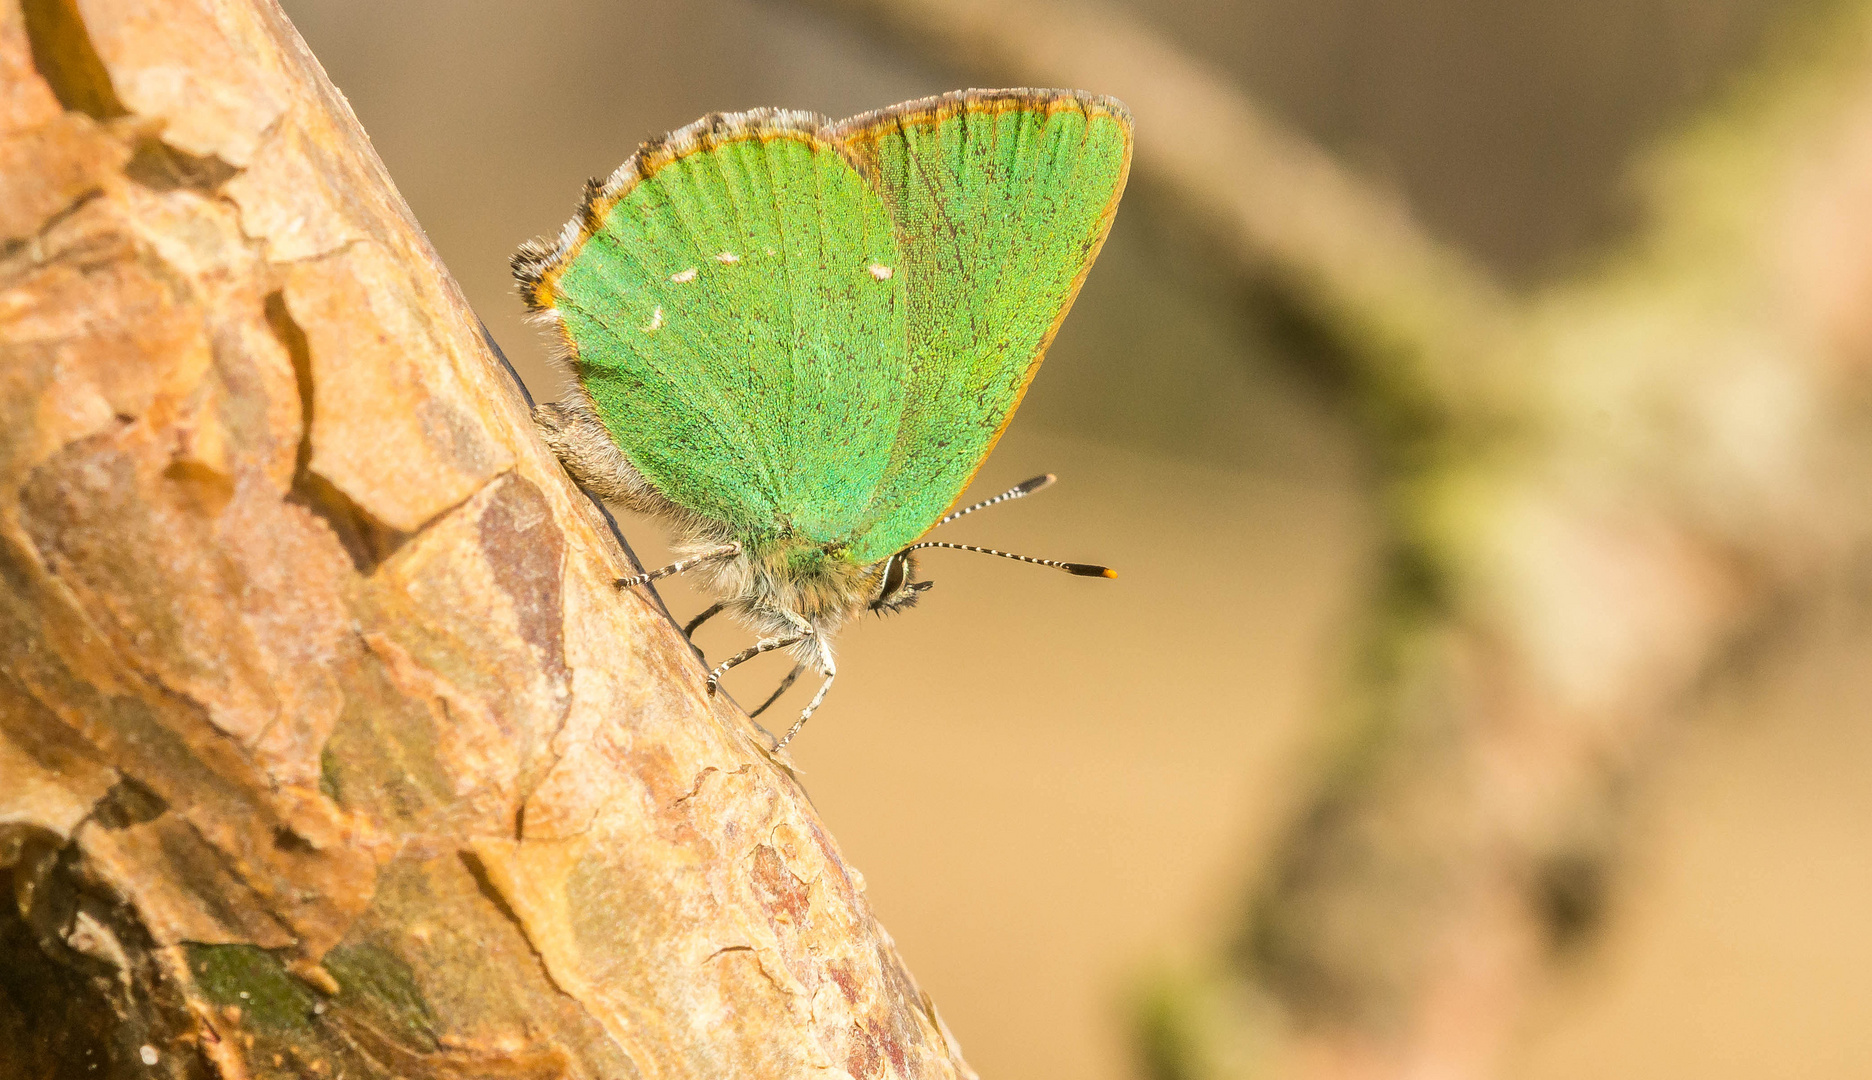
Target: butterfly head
897,586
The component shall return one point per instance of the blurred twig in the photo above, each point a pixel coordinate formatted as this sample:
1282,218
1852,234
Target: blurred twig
1417,316
1604,485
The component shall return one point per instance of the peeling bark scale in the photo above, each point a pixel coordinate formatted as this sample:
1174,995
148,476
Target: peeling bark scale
327,747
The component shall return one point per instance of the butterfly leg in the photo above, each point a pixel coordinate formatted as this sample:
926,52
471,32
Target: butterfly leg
747,654
785,685
811,706
714,610
678,566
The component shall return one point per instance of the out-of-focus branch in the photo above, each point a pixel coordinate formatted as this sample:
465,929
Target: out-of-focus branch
1618,476
327,746
1280,215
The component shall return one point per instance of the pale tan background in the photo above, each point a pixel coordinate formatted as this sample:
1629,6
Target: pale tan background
1054,786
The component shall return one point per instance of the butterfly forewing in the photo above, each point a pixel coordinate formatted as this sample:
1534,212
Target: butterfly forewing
1000,200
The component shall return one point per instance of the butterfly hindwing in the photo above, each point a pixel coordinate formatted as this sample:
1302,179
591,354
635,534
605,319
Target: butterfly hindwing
721,305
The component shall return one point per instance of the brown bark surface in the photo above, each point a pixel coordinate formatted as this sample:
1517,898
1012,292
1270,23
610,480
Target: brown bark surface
327,747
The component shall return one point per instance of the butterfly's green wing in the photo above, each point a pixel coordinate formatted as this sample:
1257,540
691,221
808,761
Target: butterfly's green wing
1001,200
723,300
789,326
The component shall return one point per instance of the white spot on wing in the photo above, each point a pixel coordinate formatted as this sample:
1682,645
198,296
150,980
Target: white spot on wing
879,271
727,257
656,320
685,276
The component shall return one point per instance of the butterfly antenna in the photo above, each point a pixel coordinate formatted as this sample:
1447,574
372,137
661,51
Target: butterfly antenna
1078,568
1018,491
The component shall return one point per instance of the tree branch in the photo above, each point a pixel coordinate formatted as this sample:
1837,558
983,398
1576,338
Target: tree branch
1595,497
1270,209
327,747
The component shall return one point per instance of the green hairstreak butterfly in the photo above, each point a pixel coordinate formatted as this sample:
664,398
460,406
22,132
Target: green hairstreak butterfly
797,340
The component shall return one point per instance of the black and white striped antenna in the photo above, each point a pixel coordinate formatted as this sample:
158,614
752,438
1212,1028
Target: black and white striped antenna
1018,491
1078,568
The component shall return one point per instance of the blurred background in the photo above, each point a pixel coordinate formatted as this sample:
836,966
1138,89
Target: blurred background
1161,826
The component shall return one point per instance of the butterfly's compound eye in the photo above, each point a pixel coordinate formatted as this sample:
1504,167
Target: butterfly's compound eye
895,571
896,590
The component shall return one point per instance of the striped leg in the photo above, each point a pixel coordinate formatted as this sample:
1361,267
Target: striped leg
785,685
747,654
714,610
678,566
811,706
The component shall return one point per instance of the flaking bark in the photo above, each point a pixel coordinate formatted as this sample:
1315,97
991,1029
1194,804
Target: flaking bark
327,747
